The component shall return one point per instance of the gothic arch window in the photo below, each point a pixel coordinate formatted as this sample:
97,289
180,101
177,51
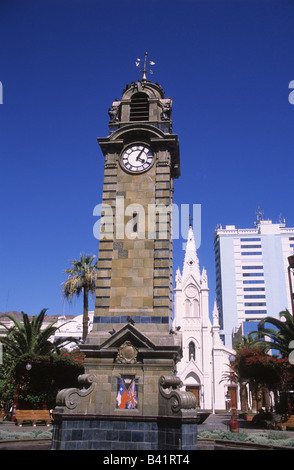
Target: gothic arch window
196,312
139,110
187,308
192,351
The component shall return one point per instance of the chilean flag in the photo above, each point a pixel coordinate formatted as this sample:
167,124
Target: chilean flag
122,396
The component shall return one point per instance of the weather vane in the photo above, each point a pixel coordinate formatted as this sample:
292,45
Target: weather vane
144,70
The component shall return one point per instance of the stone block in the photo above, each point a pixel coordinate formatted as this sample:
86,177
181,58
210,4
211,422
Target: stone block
103,282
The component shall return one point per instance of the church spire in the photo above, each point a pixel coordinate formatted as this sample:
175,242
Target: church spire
191,262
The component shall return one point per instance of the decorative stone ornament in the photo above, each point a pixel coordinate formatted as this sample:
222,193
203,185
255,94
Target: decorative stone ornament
173,400
71,398
127,353
191,291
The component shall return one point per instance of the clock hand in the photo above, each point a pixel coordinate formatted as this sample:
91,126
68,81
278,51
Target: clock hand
138,159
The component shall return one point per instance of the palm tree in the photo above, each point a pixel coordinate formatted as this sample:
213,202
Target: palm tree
249,341
280,336
81,278
30,337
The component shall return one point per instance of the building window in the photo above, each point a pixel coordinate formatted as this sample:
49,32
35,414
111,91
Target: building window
191,351
255,304
255,312
139,110
251,253
252,274
251,289
254,296
187,308
252,267
192,308
250,239
196,308
250,246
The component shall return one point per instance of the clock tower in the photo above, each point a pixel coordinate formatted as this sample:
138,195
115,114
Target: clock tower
135,251
132,352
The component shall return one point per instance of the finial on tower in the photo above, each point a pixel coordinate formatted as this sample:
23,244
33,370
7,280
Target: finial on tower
144,70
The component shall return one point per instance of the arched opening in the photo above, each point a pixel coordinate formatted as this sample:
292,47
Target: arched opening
192,351
187,308
139,110
196,312
193,385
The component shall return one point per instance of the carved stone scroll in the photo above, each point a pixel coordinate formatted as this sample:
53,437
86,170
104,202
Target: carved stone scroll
173,401
72,397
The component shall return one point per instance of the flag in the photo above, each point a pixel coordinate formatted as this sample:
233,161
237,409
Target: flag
127,396
132,402
122,396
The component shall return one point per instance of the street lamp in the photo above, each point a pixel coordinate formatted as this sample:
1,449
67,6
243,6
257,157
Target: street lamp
233,423
291,266
15,399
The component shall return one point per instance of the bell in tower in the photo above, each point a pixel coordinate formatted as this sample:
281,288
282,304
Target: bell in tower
130,381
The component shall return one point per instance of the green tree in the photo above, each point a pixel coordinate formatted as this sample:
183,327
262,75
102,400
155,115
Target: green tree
31,337
247,343
254,364
81,279
29,341
39,384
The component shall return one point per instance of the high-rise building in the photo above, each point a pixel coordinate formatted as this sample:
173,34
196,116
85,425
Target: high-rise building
251,274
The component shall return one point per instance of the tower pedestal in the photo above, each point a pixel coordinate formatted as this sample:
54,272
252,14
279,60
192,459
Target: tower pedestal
129,400
94,432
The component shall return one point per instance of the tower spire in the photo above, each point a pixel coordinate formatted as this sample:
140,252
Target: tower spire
191,262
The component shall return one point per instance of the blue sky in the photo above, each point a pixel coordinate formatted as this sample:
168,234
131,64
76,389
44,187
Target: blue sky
226,64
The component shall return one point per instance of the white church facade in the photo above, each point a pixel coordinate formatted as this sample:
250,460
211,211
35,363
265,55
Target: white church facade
204,367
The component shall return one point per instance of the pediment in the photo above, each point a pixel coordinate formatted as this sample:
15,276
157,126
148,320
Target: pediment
128,333
191,367
191,280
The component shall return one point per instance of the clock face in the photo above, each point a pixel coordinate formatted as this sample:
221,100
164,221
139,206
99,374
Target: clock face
137,158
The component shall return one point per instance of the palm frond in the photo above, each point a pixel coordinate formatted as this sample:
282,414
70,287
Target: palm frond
28,337
279,337
16,322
